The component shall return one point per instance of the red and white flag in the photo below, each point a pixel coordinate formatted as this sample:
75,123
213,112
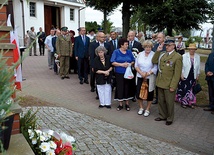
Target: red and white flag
16,55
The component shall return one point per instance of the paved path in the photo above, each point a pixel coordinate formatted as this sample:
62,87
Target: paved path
192,129
96,137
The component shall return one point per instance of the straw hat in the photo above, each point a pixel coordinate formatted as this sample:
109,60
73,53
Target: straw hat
192,46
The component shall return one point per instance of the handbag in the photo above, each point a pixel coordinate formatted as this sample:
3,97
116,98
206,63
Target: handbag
196,88
128,73
144,90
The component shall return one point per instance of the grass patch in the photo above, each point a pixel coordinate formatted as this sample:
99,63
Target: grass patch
204,51
203,59
202,97
28,101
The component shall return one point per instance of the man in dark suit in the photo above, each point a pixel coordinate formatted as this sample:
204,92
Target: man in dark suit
133,43
100,41
81,49
113,46
209,71
93,45
41,40
160,43
113,42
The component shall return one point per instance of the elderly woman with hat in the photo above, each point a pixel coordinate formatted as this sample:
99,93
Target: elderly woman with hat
189,76
103,70
180,46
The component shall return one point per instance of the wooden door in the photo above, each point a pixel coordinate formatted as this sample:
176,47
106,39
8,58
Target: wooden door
48,19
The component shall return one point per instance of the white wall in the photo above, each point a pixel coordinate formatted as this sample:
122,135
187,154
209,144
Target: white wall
37,21
17,8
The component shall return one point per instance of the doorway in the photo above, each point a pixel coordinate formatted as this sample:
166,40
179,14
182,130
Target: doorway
52,18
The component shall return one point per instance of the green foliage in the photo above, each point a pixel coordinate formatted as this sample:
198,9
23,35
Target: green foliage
6,87
92,25
179,15
28,121
189,41
109,26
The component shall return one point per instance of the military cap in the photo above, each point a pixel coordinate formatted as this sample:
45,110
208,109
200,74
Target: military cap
64,29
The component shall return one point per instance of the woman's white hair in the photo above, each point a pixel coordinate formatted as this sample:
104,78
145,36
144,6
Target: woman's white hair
100,48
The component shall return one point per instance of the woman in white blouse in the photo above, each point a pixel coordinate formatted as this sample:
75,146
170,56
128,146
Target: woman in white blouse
146,71
190,73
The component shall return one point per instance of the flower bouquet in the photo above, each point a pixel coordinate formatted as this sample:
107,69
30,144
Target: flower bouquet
49,142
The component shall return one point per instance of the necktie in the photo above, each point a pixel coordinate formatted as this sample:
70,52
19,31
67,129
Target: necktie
130,45
115,47
83,39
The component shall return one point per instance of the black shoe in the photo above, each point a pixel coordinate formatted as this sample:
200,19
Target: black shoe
155,101
62,77
159,119
134,100
108,106
81,81
168,122
208,109
120,107
35,55
67,77
86,81
101,106
127,107
97,97
92,89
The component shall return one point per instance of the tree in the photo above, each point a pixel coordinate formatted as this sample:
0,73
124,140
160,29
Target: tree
178,15
105,6
92,25
109,25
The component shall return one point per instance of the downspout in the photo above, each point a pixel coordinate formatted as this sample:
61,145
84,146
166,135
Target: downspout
23,21
79,16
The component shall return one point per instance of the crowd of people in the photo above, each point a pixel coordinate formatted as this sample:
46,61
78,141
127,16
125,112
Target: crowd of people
157,67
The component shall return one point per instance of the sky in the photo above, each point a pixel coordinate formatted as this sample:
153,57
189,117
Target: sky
116,18
94,15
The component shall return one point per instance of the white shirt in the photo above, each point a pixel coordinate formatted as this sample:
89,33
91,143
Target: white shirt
48,42
187,65
145,63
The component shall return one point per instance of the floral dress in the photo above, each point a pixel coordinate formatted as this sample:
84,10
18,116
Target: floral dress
184,93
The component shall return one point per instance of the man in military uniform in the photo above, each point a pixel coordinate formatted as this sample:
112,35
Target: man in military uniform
170,67
64,50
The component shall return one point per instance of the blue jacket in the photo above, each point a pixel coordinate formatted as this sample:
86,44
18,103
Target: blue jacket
209,66
81,50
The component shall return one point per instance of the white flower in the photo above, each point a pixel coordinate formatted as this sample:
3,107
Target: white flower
38,132
52,145
70,139
31,133
42,138
46,135
44,147
63,136
9,101
50,152
34,141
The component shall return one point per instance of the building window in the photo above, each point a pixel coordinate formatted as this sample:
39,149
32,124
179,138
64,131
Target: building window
32,9
71,14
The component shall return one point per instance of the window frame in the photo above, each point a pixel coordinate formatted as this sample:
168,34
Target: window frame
31,11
